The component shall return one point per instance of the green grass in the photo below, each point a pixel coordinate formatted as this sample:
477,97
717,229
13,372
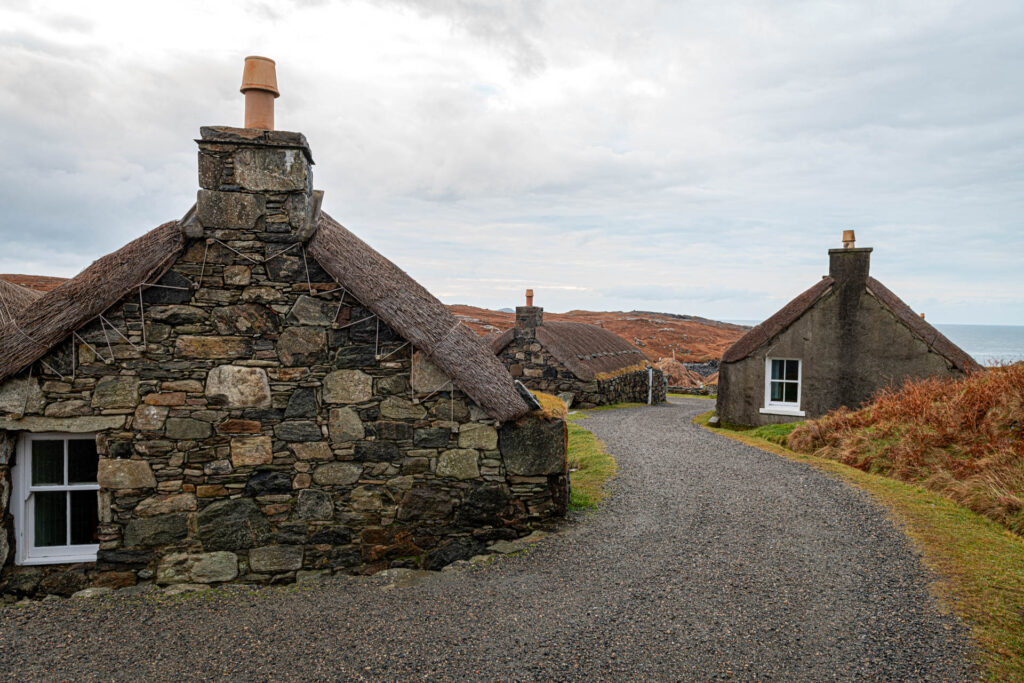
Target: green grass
979,563
777,434
712,397
593,466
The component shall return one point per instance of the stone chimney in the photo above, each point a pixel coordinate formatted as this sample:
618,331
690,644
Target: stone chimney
849,264
255,180
528,318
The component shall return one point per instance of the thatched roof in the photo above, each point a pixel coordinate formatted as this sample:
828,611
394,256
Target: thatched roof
36,283
586,350
923,330
376,282
773,326
418,316
56,314
13,298
788,314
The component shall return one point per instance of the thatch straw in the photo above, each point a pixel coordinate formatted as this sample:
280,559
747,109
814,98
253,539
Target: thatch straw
13,298
588,351
59,312
405,306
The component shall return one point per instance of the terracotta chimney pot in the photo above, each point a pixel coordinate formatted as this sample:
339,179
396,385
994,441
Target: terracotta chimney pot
848,239
529,297
259,84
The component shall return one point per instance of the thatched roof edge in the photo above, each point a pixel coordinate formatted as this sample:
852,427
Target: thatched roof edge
13,298
54,315
783,318
922,329
586,350
409,309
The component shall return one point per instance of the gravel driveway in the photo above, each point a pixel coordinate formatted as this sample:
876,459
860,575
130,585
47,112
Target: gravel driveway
711,560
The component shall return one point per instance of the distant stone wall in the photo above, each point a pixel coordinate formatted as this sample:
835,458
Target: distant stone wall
264,424
529,362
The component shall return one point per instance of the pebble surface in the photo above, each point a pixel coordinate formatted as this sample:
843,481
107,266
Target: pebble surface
711,561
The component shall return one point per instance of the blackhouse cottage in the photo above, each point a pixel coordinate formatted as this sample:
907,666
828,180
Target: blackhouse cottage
586,364
835,345
251,393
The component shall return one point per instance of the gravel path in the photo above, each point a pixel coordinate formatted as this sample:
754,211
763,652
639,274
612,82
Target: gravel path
711,560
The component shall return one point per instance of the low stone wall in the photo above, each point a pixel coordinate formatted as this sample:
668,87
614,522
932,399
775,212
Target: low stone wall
706,390
530,363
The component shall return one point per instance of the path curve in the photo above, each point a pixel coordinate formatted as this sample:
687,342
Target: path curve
711,560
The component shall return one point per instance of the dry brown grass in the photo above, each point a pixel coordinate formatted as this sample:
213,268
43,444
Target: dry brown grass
963,439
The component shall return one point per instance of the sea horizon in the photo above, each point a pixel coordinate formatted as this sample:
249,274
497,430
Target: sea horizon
990,345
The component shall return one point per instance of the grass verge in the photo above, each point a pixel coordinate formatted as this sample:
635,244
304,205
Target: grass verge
708,398
590,465
980,564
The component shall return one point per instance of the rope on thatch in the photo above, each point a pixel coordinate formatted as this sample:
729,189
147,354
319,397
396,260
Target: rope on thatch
409,309
63,311
13,298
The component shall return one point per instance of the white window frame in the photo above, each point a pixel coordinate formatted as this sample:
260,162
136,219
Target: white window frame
23,510
787,408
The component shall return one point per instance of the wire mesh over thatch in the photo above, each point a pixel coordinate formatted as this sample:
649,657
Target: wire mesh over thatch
414,313
13,298
57,313
783,318
927,333
588,351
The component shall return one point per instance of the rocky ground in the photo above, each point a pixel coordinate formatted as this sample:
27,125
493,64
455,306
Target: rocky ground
712,560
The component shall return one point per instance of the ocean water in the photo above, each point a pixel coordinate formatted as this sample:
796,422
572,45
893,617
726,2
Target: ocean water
987,344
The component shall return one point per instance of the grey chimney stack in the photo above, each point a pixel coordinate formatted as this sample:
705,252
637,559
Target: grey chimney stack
528,318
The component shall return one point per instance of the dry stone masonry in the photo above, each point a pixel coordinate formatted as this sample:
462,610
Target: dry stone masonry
605,368
255,421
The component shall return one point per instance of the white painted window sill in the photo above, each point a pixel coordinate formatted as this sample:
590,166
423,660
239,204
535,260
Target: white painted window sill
58,559
789,412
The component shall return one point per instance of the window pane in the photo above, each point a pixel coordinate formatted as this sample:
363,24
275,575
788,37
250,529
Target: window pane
791,392
793,369
51,509
82,461
777,391
47,462
84,517
777,368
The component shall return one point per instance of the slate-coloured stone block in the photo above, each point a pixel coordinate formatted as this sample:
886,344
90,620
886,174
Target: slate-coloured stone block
229,210
533,447
233,524
275,559
156,531
296,430
116,392
376,451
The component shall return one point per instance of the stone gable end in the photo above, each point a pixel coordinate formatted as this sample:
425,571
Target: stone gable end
255,420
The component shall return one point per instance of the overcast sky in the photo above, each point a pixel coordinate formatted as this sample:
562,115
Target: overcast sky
688,157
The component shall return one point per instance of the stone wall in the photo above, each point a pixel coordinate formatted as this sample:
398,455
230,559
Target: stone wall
529,362
263,424
7,453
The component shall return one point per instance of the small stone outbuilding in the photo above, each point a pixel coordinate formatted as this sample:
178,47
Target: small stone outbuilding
251,393
595,366
836,344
